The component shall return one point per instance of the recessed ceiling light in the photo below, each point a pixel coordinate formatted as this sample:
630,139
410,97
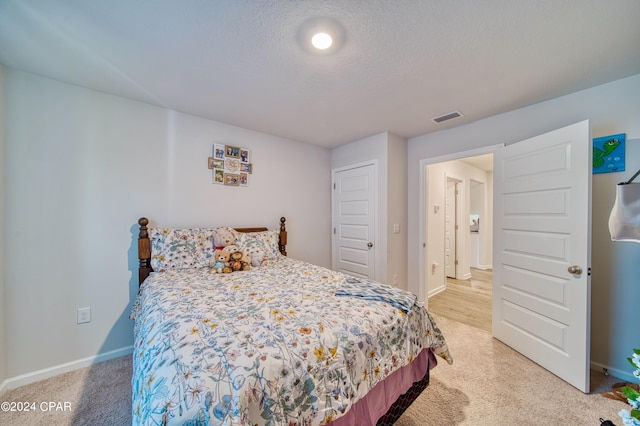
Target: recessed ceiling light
321,41
320,35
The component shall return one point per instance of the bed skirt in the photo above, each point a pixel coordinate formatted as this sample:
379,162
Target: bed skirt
386,402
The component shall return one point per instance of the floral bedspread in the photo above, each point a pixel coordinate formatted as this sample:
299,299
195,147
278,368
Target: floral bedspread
269,346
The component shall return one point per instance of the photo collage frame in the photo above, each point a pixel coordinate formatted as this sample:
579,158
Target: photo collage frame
231,165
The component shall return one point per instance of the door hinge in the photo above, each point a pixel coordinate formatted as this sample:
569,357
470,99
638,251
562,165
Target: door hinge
456,227
334,185
455,263
589,271
334,231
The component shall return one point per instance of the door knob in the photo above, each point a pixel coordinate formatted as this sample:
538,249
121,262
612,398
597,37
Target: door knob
575,269
370,244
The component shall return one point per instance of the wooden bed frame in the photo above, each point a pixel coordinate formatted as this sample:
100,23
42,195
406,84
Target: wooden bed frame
144,245
144,256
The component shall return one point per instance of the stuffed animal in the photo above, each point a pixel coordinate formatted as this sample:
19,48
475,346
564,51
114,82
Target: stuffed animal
236,263
220,263
246,261
231,248
257,258
223,237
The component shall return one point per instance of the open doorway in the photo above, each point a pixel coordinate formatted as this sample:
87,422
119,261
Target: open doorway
460,239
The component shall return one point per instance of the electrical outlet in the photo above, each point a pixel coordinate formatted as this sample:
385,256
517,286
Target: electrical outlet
395,280
84,315
396,228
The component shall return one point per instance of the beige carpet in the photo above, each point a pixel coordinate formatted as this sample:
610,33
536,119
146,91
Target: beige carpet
99,395
491,384
488,384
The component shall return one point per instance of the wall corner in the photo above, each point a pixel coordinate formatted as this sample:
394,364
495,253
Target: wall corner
2,243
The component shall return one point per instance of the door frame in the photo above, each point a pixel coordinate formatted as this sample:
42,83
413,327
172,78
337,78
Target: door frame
422,222
378,273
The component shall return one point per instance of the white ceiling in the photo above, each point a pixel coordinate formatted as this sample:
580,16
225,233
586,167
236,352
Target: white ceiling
482,162
398,64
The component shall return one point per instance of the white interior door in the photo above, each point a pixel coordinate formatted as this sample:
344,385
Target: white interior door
542,207
354,221
450,230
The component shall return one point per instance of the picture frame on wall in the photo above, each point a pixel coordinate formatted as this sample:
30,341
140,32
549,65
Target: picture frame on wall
609,154
231,179
232,151
230,165
218,151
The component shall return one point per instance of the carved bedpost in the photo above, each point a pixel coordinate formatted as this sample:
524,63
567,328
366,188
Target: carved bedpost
283,237
144,250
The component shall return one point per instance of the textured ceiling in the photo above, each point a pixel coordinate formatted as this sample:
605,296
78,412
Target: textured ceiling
398,63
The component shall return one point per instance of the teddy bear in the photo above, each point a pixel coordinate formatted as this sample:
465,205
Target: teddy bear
220,263
246,261
236,262
231,248
223,237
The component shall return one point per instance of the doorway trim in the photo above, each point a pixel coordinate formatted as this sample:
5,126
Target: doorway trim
422,229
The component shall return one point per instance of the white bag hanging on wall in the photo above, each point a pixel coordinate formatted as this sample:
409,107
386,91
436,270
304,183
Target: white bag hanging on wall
624,221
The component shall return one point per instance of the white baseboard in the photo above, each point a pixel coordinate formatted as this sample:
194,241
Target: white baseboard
483,267
436,291
624,375
36,376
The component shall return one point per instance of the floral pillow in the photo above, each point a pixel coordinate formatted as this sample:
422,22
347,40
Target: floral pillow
173,249
264,243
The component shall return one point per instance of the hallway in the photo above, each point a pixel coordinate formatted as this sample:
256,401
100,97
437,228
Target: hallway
466,301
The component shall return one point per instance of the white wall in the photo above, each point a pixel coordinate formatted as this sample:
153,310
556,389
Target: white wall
2,268
389,152
397,210
611,108
81,168
434,252
615,280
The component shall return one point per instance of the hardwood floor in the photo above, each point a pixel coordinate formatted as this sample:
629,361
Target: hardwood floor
466,301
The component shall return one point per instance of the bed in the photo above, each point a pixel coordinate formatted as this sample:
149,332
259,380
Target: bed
284,343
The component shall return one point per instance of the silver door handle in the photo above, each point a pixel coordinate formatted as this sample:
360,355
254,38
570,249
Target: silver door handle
575,270
370,244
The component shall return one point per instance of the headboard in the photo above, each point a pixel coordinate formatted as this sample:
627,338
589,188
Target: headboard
144,245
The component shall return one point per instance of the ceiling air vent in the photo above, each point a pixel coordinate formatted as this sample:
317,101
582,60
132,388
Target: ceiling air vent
446,117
